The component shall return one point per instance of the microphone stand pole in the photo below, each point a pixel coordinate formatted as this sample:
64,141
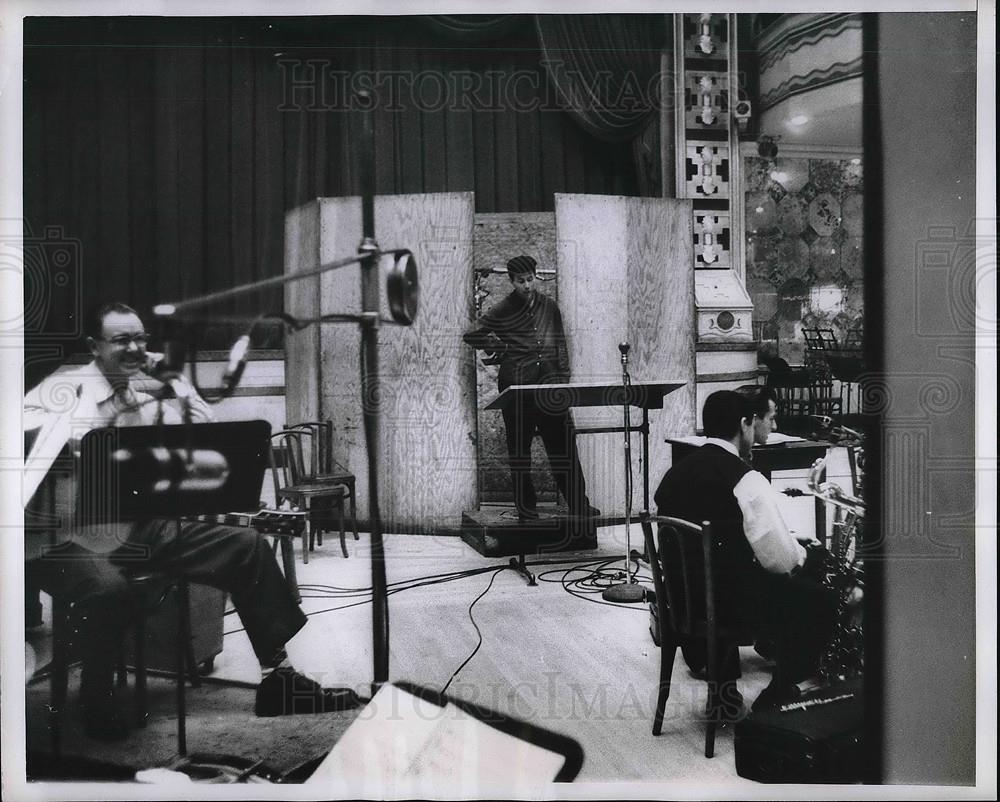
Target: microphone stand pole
628,591
368,250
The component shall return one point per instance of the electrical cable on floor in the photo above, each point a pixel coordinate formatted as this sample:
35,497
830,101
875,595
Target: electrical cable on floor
476,626
363,594
596,578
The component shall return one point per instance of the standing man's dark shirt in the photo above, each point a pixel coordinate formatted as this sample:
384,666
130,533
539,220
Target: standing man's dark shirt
525,330
533,335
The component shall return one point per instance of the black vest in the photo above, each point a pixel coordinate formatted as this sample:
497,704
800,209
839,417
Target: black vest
700,488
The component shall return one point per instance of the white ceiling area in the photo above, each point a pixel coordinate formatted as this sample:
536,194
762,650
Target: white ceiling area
827,116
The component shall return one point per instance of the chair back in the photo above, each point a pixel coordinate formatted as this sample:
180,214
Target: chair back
288,463
321,447
319,444
681,559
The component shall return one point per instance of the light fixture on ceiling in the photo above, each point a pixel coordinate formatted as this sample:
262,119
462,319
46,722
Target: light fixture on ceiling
798,120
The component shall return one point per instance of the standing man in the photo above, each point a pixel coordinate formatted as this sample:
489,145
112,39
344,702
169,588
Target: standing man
88,570
766,579
525,330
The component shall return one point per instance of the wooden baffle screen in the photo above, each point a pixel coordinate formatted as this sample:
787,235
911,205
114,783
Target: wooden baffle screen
623,267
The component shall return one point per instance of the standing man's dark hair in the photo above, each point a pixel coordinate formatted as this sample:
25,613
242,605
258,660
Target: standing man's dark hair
520,265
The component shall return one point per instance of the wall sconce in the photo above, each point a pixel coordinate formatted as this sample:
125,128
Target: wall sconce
767,147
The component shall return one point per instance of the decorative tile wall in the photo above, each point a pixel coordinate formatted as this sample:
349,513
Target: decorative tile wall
804,230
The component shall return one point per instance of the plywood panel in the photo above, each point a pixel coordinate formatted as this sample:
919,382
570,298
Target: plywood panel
428,473
661,316
623,277
427,455
340,343
302,300
591,238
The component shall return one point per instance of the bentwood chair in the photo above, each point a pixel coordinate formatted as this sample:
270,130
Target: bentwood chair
681,563
295,482
326,469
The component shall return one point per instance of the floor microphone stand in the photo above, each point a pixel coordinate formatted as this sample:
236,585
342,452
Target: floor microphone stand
628,591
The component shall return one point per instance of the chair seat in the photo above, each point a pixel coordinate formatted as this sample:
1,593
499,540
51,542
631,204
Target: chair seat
310,490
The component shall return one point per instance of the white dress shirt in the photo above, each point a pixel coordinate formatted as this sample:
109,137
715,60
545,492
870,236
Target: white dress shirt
67,405
775,548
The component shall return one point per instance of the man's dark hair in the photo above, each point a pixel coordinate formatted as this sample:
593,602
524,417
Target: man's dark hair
722,413
94,323
759,396
521,265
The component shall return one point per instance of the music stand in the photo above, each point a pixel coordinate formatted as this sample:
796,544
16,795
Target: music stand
137,473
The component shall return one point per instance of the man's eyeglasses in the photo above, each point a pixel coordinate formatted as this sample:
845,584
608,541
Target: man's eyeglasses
124,340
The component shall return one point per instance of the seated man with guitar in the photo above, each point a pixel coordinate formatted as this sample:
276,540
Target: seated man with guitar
87,570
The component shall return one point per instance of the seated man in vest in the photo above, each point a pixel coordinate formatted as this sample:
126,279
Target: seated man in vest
765,579
87,570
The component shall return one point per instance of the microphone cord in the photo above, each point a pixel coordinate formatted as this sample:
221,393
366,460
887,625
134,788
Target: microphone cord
479,633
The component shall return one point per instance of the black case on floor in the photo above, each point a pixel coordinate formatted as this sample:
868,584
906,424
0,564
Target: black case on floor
820,744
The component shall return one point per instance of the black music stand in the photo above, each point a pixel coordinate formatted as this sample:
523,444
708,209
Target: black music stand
645,395
137,473
518,539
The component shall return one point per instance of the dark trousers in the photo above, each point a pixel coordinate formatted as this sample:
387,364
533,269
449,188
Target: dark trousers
555,426
796,613
237,561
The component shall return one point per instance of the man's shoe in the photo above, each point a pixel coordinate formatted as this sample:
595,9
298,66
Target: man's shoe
286,692
528,514
589,511
773,696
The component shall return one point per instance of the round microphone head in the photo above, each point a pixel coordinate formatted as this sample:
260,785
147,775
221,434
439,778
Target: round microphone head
402,287
623,347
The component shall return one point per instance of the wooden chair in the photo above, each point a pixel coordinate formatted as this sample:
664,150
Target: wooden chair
297,484
326,469
681,564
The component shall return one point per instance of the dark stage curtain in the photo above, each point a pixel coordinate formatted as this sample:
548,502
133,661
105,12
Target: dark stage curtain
163,153
606,68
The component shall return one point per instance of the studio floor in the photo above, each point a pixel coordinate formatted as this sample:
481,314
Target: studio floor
565,661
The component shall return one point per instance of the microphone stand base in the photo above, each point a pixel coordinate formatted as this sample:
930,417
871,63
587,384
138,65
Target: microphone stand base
627,592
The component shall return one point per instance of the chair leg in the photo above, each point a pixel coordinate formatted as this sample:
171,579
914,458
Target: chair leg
288,566
141,713
354,515
307,535
668,651
59,678
714,708
183,647
340,519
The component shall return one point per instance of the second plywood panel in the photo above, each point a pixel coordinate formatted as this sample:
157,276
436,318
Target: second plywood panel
625,276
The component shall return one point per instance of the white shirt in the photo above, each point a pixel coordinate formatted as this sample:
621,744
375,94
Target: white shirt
67,405
775,548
